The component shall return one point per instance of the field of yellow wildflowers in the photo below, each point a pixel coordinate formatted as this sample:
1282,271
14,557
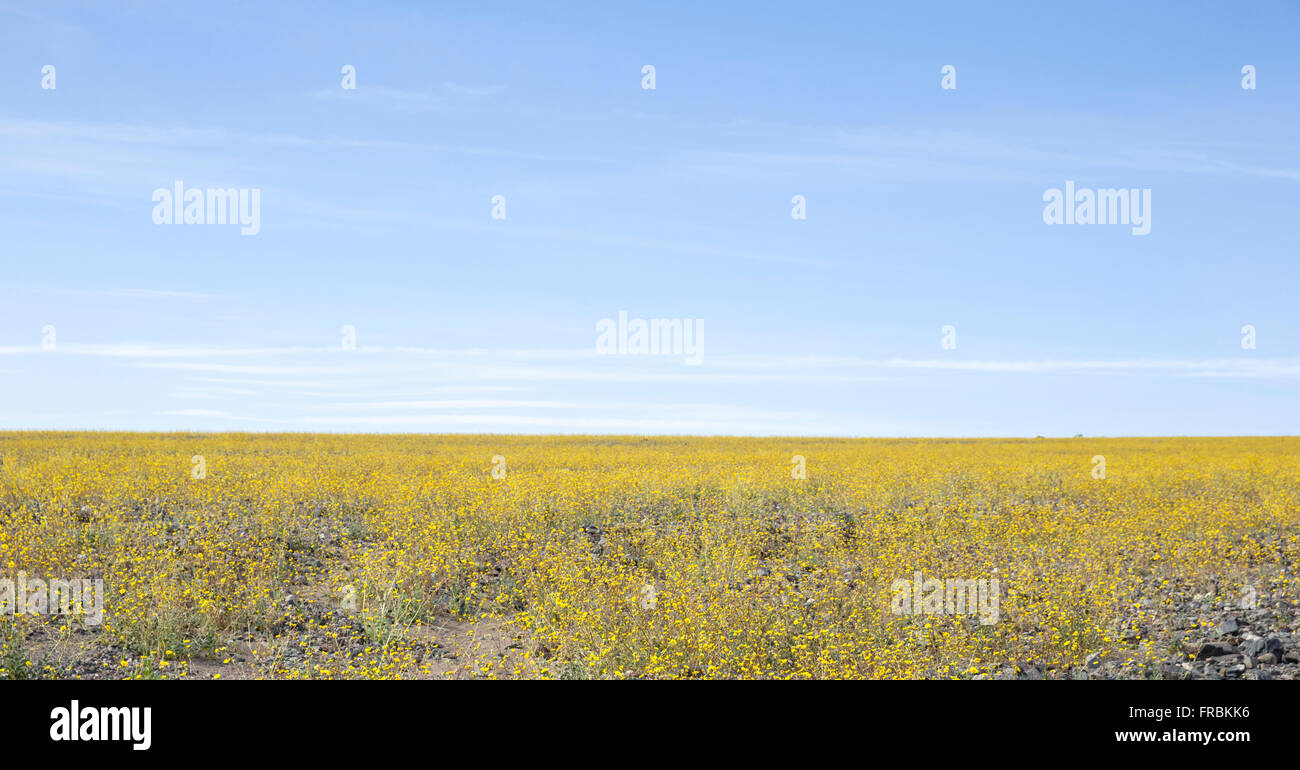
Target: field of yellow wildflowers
395,556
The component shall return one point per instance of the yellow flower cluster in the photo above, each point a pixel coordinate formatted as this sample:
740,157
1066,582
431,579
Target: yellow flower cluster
623,557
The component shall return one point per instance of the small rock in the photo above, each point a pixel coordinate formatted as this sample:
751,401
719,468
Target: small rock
1214,650
1227,627
1258,647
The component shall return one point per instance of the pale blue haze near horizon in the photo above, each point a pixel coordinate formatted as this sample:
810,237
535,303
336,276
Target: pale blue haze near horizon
924,209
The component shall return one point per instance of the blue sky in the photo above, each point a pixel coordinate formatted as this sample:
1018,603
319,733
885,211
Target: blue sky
924,209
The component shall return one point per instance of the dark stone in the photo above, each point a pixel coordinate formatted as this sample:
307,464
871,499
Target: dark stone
1258,647
1214,650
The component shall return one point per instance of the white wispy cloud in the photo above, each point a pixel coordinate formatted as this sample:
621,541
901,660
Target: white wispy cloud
383,96
747,424
133,293
585,364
